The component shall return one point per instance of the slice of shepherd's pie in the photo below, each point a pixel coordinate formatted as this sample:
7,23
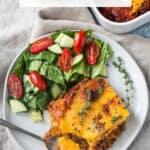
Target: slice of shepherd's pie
91,114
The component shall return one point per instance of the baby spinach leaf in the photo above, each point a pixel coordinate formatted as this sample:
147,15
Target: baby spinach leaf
106,52
26,61
49,83
35,65
75,77
44,69
99,69
80,69
56,75
46,56
68,75
89,33
42,100
32,104
18,68
27,98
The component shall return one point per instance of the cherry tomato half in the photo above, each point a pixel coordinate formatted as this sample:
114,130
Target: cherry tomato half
92,52
65,60
79,41
15,86
40,45
38,80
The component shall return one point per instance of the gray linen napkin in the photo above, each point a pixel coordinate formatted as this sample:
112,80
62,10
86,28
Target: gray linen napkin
52,19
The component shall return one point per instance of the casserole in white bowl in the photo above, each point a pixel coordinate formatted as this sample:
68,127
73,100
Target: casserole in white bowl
121,27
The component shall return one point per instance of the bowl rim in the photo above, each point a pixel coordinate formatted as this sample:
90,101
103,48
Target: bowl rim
5,90
120,24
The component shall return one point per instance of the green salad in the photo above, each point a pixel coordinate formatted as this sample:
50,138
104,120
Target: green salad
51,65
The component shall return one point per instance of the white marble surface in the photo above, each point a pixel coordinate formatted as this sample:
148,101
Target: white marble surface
16,25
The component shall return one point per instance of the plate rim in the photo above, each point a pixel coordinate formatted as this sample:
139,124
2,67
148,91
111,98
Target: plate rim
5,89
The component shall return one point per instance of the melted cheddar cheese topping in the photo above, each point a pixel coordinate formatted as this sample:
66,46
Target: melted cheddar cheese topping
100,116
71,122
136,5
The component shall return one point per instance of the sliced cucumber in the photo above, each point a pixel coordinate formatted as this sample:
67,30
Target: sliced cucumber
44,69
28,86
99,70
104,72
55,91
64,40
36,116
59,38
26,78
77,59
35,65
55,49
82,68
17,106
35,90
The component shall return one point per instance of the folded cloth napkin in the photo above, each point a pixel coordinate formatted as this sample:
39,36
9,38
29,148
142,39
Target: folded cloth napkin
52,19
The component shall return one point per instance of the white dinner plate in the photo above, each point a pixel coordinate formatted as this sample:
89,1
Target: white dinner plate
138,107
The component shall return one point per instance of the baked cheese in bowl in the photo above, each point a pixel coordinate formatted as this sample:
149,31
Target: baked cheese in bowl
123,19
120,14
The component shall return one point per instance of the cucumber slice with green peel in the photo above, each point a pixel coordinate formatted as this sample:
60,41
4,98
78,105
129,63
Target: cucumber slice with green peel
36,116
55,91
17,106
99,70
64,40
26,78
55,49
28,85
35,90
35,65
44,69
104,72
77,59
59,38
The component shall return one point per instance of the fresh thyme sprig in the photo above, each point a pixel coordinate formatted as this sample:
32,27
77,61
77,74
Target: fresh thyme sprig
119,64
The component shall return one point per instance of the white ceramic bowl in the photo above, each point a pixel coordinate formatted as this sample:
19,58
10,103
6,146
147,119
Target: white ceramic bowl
122,27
